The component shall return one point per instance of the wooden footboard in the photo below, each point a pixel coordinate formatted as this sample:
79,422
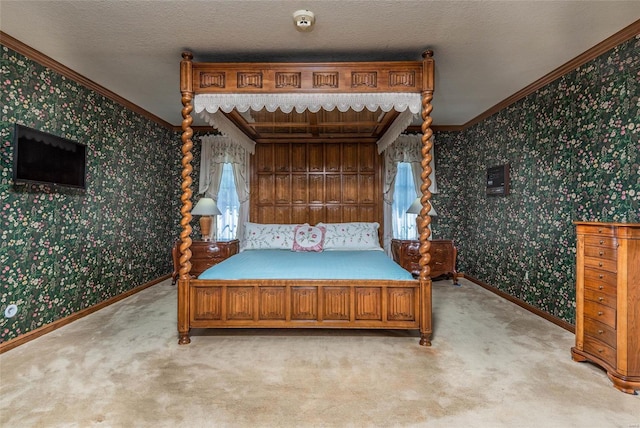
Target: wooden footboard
371,304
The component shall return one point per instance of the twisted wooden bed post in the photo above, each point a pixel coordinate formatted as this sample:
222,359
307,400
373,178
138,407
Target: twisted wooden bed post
425,219
186,89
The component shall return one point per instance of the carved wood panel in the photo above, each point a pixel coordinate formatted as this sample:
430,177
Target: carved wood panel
266,188
272,303
299,186
281,157
282,188
336,303
317,182
240,303
316,157
332,158
350,158
368,303
350,188
333,188
381,76
298,157
367,154
263,158
207,304
304,303
401,304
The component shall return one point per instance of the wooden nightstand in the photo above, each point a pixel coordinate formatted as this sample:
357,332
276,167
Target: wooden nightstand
406,252
204,254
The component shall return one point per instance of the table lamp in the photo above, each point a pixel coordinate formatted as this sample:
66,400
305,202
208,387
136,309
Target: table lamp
206,208
415,208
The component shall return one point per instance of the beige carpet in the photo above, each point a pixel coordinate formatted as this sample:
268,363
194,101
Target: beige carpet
492,364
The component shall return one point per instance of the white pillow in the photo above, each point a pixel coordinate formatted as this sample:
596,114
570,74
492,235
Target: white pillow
267,236
351,236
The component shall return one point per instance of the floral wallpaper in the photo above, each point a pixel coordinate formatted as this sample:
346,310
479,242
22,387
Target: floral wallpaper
64,250
574,151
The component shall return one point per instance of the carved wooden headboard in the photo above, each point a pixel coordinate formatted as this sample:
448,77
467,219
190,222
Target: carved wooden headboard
316,182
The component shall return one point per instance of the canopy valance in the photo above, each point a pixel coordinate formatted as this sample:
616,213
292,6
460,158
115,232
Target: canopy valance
211,106
312,102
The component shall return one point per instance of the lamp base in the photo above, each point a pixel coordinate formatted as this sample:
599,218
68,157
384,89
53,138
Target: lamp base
205,227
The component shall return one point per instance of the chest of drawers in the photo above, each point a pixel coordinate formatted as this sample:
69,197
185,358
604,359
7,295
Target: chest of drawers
608,300
406,252
204,254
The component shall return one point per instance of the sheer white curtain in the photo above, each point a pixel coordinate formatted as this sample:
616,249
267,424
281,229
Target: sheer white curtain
406,148
404,225
216,151
228,204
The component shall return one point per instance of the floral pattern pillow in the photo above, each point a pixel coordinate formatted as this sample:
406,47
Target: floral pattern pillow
351,236
308,238
267,236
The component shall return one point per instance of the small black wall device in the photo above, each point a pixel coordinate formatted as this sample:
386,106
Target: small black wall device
498,180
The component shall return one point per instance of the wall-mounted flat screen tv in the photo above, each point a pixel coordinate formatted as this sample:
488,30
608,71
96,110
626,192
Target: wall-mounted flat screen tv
42,158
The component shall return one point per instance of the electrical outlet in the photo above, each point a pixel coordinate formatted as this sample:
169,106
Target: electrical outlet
11,311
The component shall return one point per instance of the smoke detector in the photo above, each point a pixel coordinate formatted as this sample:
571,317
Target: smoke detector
304,20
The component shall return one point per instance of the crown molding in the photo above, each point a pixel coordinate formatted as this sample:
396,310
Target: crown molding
621,36
59,68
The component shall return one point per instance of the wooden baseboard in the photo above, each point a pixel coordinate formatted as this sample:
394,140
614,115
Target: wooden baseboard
557,321
27,337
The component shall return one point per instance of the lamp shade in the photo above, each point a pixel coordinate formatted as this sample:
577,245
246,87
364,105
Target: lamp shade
416,207
206,206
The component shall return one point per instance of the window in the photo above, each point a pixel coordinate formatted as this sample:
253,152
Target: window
404,225
228,204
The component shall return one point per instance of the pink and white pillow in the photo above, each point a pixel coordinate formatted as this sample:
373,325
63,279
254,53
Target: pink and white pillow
308,238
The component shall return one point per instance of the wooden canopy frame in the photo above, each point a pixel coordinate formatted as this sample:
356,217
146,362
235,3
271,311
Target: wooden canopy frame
261,78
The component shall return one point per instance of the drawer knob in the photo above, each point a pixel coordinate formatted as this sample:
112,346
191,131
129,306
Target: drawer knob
600,313
601,276
600,331
600,230
601,287
600,299
601,241
601,350
601,253
600,264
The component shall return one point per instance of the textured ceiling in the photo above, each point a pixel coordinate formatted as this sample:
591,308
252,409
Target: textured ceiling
485,51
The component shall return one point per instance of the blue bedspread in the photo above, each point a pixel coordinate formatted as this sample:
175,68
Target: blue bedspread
285,264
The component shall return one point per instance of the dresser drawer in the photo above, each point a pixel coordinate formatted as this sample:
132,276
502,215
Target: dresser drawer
599,331
596,229
601,350
603,252
600,277
600,241
600,287
600,297
601,313
208,257
413,249
599,263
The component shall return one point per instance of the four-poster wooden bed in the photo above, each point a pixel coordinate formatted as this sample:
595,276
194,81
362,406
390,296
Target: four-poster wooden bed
308,303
